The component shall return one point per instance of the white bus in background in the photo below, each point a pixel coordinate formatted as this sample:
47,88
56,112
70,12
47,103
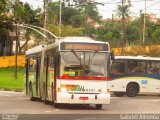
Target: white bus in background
73,70
135,74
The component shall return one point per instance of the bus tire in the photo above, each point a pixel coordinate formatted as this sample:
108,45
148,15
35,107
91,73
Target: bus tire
132,90
98,106
119,94
56,105
32,98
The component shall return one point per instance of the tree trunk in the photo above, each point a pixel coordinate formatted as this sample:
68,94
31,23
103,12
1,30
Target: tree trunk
21,47
16,56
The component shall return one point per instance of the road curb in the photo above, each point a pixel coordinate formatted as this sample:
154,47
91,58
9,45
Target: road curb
13,90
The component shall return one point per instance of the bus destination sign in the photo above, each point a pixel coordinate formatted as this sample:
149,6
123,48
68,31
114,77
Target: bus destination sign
84,46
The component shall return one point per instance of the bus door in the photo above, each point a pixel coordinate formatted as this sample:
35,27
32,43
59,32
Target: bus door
27,76
34,73
38,75
56,72
45,82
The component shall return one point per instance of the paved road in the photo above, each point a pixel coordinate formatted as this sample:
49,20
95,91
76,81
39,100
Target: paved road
17,102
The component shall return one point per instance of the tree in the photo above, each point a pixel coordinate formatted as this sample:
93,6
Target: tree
23,13
5,28
53,13
72,16
138,25
87,9
90,31
123,12
108,35
3,4
132,32
156,35
67,30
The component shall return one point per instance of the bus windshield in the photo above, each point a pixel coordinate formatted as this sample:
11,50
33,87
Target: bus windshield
75,63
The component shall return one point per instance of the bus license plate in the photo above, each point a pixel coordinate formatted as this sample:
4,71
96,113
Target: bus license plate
83,98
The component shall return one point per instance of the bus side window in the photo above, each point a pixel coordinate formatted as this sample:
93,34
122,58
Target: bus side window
32,64
117,68
136,67
153,67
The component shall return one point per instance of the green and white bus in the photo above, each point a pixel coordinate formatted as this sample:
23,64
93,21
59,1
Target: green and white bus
73,70
135,74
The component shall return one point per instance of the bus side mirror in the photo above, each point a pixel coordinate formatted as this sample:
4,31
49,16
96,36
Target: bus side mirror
112,56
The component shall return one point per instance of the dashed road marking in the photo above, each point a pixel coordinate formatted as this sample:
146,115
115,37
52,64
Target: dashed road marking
56,110
21,98
48,111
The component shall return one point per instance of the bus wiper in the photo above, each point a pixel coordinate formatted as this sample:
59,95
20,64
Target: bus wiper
79,59
90,58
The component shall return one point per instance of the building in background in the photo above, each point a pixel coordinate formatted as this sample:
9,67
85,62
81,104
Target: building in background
152,17
6,45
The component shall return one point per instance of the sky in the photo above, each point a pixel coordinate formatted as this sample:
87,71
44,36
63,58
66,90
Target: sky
110,6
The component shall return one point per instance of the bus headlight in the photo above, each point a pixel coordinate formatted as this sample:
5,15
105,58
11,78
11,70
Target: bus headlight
100,90
104,90
59,90
108,90
63,89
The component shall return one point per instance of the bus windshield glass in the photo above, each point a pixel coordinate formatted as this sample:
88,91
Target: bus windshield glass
75,63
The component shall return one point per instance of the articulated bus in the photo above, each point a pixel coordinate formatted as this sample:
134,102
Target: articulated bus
135,74
73,70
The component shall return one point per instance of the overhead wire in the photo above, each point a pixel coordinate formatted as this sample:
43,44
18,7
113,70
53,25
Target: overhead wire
149,6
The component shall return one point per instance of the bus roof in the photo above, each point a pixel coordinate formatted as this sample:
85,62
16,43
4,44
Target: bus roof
73,39
136,58
63,39
80,39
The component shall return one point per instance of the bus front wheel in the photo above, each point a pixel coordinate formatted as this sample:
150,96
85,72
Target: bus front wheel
132,90
119,94
98,106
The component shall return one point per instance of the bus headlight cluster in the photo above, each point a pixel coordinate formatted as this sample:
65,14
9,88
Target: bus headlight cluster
62,89
104,90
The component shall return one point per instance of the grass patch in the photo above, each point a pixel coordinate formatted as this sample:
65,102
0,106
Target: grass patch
7,80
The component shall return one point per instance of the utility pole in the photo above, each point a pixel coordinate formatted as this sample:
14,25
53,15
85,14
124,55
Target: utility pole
144,24
123,29
60,17
123,24
45,17
16,43
141,28
113,21
16,50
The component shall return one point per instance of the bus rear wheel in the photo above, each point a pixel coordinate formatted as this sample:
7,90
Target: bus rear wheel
119,94
132,90
56,105
98,106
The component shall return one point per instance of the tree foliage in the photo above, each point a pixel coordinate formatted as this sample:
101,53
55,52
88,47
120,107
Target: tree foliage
75,15
123,10
156,34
